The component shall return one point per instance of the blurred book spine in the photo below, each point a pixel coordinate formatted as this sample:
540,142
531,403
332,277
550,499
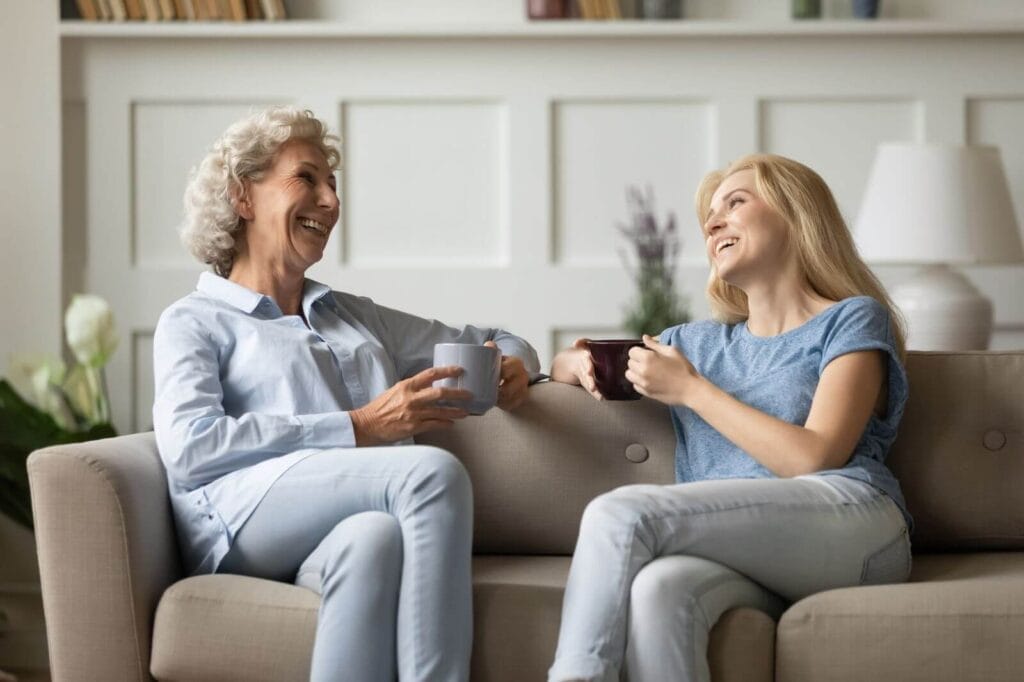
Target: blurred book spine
174,10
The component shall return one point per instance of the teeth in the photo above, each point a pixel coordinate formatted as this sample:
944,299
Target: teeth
724,243
308,222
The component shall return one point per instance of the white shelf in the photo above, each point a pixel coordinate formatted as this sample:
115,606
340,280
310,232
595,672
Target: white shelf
684,28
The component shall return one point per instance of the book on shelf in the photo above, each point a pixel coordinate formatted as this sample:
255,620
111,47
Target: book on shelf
151,10
87,10
133,8
174,10
185,10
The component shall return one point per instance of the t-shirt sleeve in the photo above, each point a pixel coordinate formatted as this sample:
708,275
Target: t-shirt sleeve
673,336
864,324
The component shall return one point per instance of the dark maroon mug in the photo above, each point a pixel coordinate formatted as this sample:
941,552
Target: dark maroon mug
610,358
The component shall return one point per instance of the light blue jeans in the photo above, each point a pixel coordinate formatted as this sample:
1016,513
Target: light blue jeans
384,535
655,566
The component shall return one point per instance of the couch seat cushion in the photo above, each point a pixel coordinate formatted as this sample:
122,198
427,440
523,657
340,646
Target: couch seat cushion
227,627
961,617
230,627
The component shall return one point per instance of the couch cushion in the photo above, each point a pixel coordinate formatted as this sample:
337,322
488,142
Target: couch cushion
960,453
226,628
535,469
961,619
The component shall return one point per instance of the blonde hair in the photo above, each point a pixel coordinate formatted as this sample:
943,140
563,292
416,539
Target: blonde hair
824,246
243,152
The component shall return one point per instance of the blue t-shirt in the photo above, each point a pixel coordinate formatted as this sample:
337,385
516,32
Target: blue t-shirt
779,375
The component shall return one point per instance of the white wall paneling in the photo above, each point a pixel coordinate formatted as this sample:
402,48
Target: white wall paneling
1000,122
485,172
838,137
602,147
141,350
168,138
563,338
425,184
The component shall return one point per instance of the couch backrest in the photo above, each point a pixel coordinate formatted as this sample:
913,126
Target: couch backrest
960,453
959,457
535,469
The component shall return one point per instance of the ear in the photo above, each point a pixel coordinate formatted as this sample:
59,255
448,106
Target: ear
241,202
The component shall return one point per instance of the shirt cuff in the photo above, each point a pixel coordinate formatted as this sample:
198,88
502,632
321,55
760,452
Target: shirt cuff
328,430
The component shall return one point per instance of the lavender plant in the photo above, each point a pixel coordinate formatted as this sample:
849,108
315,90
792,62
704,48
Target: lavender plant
657,305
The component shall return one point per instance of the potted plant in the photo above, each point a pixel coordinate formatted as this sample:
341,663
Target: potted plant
70,406
657,305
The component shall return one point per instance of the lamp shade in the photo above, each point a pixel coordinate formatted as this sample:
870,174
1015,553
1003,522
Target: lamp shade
931,203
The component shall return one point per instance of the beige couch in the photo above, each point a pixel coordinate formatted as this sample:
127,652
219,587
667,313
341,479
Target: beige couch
119,608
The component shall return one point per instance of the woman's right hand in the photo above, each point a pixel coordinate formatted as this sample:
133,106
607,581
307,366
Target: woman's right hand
408,408
575,366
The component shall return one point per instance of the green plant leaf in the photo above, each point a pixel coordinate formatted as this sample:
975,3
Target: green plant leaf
25,428
16,503
22,424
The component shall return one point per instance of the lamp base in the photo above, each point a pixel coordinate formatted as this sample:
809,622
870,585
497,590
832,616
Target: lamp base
943,311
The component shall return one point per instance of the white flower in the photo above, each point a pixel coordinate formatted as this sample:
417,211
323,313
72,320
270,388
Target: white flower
42,378
89,326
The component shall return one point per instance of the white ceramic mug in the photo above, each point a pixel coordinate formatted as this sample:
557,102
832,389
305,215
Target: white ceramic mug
481,367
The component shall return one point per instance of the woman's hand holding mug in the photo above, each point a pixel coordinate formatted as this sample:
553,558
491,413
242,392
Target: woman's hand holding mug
576,366
408,408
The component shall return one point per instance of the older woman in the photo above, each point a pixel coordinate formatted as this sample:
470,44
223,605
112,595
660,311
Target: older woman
272,395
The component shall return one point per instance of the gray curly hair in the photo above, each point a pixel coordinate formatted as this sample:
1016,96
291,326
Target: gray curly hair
244,152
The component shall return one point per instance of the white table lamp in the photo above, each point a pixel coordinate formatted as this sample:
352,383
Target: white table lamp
939,206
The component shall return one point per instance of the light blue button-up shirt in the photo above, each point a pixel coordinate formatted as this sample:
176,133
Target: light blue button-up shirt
243,392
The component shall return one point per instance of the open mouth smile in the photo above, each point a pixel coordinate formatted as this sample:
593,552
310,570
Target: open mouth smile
724,244
314,226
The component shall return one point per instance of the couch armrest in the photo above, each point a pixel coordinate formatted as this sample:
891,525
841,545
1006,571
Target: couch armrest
107,551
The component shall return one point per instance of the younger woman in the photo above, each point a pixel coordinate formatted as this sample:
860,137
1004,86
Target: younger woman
784,409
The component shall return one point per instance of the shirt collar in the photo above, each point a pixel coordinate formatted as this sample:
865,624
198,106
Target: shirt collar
248,300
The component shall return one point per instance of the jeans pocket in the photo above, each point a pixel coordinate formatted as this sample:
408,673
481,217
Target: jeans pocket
891,564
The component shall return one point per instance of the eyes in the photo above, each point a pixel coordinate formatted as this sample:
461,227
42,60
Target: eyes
309,178
731,204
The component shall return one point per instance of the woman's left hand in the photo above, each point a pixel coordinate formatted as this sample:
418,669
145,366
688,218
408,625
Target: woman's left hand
514,381
661,372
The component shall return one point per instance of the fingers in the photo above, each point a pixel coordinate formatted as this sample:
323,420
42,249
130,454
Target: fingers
512,393
490,344
653,344
585,373
428,376
511,366
580,343
443,414
434,394
434,425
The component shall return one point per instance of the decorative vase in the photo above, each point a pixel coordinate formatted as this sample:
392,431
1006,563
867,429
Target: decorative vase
806,9
662,9
865,9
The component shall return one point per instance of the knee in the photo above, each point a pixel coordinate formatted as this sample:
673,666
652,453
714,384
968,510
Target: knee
659,582
368,540
439,470
619,508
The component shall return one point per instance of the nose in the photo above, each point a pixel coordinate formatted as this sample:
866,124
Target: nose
328,198
714,223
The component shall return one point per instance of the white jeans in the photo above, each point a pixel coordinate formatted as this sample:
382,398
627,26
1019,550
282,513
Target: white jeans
384,536
655,566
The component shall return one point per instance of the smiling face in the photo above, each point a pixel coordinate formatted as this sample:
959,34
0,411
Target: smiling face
746,240
290,212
